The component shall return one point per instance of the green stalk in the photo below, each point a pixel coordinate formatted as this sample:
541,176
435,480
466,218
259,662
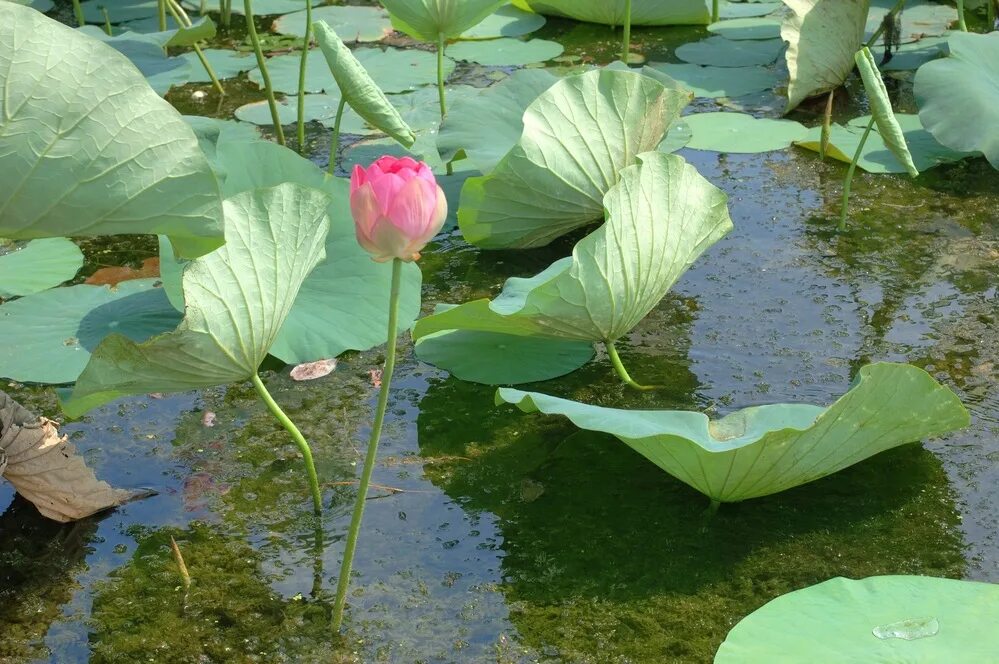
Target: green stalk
335,138
369,461
107,21
251,29
881,29
849,176
182,19
161,14
301,76
296,435
440,74
826,126
626,38
226,18
622,372
992,15
960,16
714,11
78,12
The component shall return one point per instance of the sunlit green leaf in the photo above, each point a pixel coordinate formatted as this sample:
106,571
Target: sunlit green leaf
611,12
888,127
722,52
505,51
713,82
426,19
352,23
507,21
739,132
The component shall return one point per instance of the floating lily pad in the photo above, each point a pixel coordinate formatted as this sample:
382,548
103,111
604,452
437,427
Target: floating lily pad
262,7
747,28
508,21
742,133
505,51
362,24
146,53
421,108
502,359
677,138
48,337
225,63
643,12
119,11
766,449
920,18
877,619
317,107
915,54
39,265
722,52
715,82
38,5
728,9
201,29
392,69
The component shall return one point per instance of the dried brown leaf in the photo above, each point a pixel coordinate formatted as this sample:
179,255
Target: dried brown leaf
313,370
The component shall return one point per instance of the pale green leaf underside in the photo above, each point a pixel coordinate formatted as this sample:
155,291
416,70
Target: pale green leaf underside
823,36
660,217
356,86
935,620
237,300
38,266
81,159
425,19
766,449
884,116
577,137
611,12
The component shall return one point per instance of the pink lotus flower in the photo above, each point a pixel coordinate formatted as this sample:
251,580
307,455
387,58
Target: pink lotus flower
397,207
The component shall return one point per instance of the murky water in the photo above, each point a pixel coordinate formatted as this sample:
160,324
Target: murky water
494,536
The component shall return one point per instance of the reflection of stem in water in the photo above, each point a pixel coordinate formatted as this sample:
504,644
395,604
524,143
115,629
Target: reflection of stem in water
303,445
251,30
622,372
849,176
335,138
343,582
626,38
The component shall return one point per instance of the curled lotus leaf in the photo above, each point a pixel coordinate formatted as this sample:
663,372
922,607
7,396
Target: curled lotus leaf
888,126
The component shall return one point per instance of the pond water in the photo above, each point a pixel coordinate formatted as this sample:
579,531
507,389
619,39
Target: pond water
502,537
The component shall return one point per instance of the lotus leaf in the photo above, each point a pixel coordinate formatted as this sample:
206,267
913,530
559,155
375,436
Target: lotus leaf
321,108
147,54
915,54
958,96
577,137
225,63
119,11
48,337
38,5
426,19
739,132
823,36
734,10
747,28
713,82
507,21
762,450
660,217
611,12
38,266
93,159
175,35
723,52
915,619
237,300
421,110
362,94
919,19
888,127
506,52
362,24
262,7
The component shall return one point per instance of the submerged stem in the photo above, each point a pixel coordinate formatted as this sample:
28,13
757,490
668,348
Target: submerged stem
335,138
626,38
306,42
440,74
369,460
622,372
296,435
849,176
251,30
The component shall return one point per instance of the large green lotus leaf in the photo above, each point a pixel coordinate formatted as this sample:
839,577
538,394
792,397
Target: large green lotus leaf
147,54
343,304
426,19
362,24
919,19
765,449
487,125
661,216
577,137
823,36
85,159
611,12
392,70
747,28
877,95
505,52
39,265
507,21
713,82
48,337
355,85
958,96
321,108
237,300
739,132
926,152
225,64
912,619
722,52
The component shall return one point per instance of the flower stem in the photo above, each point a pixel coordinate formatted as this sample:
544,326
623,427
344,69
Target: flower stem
296,435
826,125
714,11
626,38
849,176
306,42
369,460
251,30
182,19
960,16
335,138
440,74
622,372
78,13
161,15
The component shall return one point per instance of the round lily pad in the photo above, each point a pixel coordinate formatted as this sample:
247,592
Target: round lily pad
260,7
728,9
38,5
421,108
119,11
506,51
225,63
676,138
746,28
508,21
362,24
722,52
502,359
48,337
39,265
742,133
720,81
317,107
920,18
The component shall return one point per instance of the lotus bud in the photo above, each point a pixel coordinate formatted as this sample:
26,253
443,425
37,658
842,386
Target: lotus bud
397,207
